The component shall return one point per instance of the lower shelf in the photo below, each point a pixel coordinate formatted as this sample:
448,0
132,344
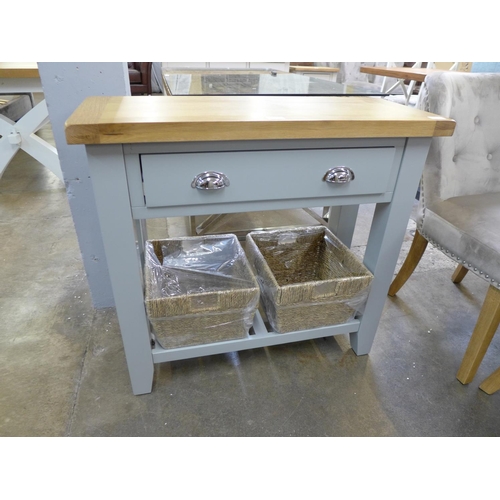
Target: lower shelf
261,338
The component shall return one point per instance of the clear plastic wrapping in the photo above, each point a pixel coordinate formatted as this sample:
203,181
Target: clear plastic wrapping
199,290
308,278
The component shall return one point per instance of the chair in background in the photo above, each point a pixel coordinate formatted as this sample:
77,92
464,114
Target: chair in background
409,88
139,74
402,90
459,206
492,383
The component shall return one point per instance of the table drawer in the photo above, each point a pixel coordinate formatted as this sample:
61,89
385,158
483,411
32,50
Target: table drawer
265,175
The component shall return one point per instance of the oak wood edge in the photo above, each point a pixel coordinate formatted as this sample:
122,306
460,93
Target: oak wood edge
82,126
399,73
230,131
444,128
9,71
87,126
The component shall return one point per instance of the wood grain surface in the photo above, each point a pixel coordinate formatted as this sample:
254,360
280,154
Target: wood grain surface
19,70
138,119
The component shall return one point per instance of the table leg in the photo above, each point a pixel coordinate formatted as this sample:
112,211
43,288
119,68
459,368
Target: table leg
342,222
386,237
109,180
8,148
34,145
21,135
141,232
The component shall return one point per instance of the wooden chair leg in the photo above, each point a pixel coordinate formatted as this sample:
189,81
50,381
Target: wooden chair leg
417,249
492,383
486,326
459,274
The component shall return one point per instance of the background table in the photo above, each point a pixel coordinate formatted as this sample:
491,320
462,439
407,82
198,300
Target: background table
143,153
323,72
246,82
417,74
18,78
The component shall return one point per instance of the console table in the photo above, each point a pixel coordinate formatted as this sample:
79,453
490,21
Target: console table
22,78
144,152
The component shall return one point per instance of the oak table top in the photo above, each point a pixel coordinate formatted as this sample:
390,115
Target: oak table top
19,70
417,74
141,119
313,69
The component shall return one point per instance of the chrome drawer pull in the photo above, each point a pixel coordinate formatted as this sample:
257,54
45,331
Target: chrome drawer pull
339,175
210,180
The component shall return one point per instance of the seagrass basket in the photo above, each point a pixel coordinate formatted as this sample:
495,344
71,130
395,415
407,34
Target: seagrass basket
308,278
199,290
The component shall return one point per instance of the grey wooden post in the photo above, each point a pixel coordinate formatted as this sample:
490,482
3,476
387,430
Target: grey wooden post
65,86
107,167
386,237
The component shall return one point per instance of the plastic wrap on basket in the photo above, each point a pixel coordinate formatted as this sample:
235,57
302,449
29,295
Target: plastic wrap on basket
199,290
308,278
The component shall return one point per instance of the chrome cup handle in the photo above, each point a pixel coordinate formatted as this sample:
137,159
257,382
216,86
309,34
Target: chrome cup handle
339,175
210,180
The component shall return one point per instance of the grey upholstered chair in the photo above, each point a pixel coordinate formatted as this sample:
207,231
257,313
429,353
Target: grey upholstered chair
459,206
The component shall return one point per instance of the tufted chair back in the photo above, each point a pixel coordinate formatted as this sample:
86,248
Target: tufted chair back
460,189
468,162
459,206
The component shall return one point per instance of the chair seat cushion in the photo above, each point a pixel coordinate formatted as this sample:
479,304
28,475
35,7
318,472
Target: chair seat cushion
470,226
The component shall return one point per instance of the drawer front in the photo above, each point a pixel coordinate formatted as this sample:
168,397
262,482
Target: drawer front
265,175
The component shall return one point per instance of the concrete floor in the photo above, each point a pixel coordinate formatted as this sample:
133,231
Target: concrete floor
63,371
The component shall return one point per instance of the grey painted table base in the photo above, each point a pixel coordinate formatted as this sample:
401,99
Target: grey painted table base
134,182
22,134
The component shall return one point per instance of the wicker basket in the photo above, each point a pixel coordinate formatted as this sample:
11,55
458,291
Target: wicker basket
209,306
307,276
